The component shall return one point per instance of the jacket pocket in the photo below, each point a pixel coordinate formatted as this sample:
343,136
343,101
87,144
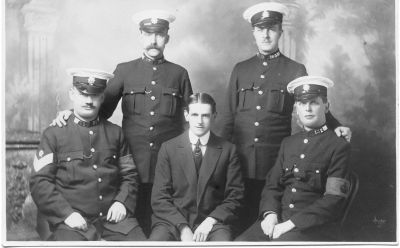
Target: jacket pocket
170,100
246,98
275,98
133,100
69,164
314,178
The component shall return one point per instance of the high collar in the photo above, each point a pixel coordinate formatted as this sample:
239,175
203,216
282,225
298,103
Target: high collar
203,139
82,123
153,61
269,56
316,131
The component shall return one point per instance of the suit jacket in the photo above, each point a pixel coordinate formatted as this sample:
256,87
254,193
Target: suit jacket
258,110
179,197
153,96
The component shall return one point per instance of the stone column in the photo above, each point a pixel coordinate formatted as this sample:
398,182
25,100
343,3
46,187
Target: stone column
41,20
287,44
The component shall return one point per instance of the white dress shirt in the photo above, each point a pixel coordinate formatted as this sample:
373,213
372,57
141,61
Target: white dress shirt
203,141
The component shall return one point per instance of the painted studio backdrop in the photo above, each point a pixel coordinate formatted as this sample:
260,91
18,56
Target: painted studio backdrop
351,42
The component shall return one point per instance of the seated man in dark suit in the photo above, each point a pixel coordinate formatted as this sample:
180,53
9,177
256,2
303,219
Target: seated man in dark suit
307,188
85,181
198,187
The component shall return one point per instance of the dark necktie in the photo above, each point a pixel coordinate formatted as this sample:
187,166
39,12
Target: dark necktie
198,156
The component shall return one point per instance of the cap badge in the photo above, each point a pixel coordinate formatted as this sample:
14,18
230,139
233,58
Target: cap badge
41,152
91,80
265,14
306,87
154,20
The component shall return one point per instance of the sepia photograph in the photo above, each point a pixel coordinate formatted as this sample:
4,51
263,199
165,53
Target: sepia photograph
203,122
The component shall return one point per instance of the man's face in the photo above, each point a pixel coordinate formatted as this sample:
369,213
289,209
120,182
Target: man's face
86,106
267,39
154,43
200,118
312,112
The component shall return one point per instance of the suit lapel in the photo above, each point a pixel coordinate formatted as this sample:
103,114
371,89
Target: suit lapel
208,165
186,158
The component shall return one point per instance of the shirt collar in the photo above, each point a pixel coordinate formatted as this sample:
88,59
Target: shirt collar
269,56
153,61
317,131
203,139
86,123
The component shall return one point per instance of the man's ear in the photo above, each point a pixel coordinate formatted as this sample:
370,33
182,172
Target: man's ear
186,114
166,38
326,107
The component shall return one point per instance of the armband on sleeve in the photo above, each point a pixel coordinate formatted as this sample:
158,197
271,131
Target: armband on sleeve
337,186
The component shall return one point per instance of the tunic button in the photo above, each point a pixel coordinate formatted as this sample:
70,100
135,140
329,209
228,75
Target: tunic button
286,169
281,91
154,68
256,123
265,63
296,170
151,128
291,205
302,156
305,141
94,166
255,139
99,180
114,156
132,92
68,159
100,214
92,149
91,132
153,98
151,144
317,171
100,197
151,112
258,107
153,82
262,76
260,92
294,190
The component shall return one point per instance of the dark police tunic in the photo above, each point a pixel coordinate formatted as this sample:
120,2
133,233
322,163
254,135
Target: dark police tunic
308,185
153,95
258,110
84,168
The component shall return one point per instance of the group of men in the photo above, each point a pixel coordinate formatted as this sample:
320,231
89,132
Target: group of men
156,180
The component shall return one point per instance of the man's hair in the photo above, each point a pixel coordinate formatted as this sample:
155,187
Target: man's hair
202,98
323,98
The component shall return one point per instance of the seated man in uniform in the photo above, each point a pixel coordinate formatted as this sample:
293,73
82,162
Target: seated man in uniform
85,182
307,188
198,187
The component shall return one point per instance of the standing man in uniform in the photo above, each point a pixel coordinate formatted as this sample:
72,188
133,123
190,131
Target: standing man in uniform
198,187
307,188
85,181
258,109
153,92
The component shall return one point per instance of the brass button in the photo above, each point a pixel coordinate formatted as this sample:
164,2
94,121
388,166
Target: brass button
153,98
100,214
302,156
92,149
255,139
114,156
100,197
154,68
294,190
317,171
262,76
305,141
296,170
68,159
260,92
291,205
91,132
258,107
265,63
132,92
256,123
151,128
99,180
94,167
153,82
151,112
151,144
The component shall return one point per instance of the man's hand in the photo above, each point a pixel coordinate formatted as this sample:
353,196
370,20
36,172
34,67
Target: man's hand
186,234
344,132
282,228
61,118
202,231
76,221
116,213
268,224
